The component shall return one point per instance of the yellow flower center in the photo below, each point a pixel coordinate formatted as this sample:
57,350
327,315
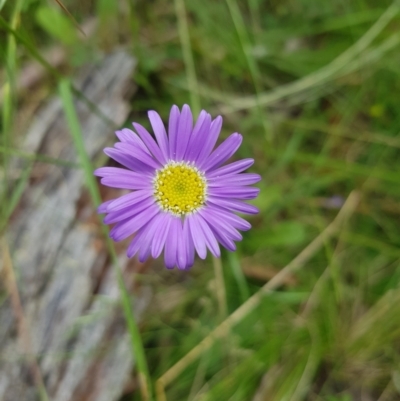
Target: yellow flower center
180,188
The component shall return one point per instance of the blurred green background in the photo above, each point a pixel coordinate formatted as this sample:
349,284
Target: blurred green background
314,88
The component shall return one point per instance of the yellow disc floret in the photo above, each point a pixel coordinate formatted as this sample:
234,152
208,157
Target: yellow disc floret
180,188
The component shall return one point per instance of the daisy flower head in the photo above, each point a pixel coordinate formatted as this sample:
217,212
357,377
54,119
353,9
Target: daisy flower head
183,199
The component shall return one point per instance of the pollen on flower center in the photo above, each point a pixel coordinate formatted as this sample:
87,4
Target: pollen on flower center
180,188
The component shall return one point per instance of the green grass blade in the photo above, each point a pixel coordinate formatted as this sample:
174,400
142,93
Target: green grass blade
319,77
12,201
240,278
38,157
8,110
66,94
253,68
55,73
187,56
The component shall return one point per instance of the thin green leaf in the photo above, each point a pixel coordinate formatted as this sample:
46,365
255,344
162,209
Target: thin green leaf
66,94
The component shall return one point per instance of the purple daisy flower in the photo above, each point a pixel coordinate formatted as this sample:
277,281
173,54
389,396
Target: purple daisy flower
182,200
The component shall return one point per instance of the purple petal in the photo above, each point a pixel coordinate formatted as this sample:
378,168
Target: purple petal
129,211
105,171
234,192
181,250
219,225
131,225
185,128
197,235
223,239
189,244
127,180
148,239
200,132
128,161
235,179
230,218
127,135
210,140
128,200
121,178
150,143
232,168
160,133
139,240
144,252
222,153
103,207
210,239
142,240
138,154
233,205
171,244
160,235
173,131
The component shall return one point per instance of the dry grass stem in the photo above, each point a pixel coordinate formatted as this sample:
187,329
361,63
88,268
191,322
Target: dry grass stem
319,77
22,325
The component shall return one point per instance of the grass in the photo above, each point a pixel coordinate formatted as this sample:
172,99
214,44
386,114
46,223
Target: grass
65,89
308,307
